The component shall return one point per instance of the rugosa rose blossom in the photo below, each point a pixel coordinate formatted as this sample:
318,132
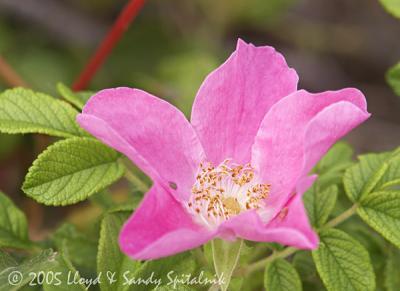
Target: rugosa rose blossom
239,168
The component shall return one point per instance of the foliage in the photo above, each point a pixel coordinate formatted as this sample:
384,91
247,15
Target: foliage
393,78
392,6
354,205
71,170
24,111
343,263
393,74
281,275
77,167
13,225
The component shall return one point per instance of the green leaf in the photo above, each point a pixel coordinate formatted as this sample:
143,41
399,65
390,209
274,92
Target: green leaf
60,276
110,259
374,172
357,176
381,210
392,270
71,170
236,284
25,111
331,167
161,271
81,248
373,242
337,158
6,261
43,262
392,6
226,256
320,203
393,75
13,225
343,263
304,264
76,98
281,275
104,199
171,288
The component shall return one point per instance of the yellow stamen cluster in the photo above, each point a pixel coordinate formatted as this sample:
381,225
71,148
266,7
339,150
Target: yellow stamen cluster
222,192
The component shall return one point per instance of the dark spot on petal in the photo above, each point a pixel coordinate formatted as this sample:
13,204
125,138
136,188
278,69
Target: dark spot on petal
173,185
284,212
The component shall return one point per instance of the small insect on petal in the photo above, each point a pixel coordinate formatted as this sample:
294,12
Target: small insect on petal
173,185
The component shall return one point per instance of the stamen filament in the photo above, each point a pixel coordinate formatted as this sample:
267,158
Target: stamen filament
222,192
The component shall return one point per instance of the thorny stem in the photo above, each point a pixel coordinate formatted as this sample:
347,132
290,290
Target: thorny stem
290,250
122,23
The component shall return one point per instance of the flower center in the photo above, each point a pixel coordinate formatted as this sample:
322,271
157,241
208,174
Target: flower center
222,192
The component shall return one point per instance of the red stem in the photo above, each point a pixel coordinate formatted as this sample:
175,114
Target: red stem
125,18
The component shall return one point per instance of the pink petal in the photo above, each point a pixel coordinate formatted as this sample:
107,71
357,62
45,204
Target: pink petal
331,124
151,132
233,100
297,131
160,227
305,183
295,219
290,228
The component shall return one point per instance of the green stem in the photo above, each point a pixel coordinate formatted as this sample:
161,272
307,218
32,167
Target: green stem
290,250
262,263
342,217
225,256
259,251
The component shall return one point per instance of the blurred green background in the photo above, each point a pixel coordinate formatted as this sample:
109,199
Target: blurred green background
173,45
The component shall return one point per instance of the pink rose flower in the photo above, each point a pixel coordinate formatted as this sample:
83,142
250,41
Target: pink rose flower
239,168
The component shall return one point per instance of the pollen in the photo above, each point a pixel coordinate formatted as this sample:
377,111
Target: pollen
224,191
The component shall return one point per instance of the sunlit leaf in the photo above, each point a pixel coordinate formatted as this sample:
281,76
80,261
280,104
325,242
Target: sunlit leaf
71,170
374,172
13,225
280,275
381,210
110,260
320,203
392,270
343,263
392,6
25,111
78,99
